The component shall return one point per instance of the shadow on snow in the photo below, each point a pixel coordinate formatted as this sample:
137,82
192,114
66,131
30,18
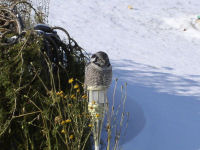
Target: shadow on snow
164,108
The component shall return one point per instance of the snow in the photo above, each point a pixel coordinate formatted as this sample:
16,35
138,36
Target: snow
155,48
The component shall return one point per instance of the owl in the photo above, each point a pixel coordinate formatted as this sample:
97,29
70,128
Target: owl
98,72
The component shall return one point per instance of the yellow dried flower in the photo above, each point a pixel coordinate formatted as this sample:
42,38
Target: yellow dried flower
65,96
70,80
90,125
97,115
93,102
76,86
73,96
84,96
63,122
63,131
69,105
78,90
130,7
68,121
71,137
59,93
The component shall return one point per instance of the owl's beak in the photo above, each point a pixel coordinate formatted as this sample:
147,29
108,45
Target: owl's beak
93,59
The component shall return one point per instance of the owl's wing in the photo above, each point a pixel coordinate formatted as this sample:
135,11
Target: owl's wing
107,77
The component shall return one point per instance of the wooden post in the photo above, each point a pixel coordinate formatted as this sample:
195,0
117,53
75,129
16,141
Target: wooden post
96,107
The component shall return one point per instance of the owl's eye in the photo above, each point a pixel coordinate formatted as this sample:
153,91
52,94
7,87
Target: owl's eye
93,56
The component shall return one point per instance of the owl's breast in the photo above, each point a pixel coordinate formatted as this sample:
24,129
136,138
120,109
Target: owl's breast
96,76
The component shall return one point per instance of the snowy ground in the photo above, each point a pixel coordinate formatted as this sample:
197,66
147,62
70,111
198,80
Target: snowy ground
155,49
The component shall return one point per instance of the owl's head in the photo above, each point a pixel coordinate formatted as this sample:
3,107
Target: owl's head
101,59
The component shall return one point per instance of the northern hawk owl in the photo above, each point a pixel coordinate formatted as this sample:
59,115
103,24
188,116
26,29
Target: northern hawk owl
98,72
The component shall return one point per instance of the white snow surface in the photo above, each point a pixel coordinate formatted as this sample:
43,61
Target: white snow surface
156,50
150,37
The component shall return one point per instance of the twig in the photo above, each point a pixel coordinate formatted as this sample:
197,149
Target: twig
26,114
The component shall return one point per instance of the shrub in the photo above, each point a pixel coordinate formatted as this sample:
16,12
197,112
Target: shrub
39,108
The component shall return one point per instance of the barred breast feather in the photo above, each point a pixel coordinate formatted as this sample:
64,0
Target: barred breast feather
96,76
